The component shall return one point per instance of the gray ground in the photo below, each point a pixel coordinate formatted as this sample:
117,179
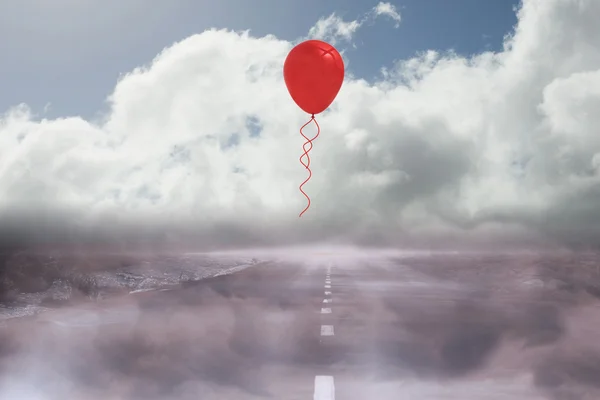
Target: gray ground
32,282
406,326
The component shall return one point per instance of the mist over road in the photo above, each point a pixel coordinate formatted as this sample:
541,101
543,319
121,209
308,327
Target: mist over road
314,326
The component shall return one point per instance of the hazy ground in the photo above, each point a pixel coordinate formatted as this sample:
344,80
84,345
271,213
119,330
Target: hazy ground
32,282
407,325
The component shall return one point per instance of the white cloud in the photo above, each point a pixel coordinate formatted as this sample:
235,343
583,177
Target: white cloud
442,145
388,9
334,29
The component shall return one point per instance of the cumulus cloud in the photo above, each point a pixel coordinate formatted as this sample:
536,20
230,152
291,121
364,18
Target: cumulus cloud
206,136
334,29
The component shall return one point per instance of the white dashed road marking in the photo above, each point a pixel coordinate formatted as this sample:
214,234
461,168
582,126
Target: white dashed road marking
326,330
324,384
324,388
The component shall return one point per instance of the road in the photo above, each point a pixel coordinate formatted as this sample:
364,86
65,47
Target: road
337,329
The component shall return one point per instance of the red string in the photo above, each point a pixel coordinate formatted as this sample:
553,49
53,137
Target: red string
307,165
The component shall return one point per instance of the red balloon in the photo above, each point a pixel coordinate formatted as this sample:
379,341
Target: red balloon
313,73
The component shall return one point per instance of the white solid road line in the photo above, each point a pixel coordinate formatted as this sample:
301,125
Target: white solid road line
325,310
324,388
326,330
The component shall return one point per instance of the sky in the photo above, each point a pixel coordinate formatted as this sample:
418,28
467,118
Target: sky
65,59
458,122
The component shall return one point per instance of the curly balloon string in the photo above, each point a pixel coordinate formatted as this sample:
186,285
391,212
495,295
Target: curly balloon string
305,154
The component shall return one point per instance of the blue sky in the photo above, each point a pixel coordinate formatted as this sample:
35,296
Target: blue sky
72,57
467,26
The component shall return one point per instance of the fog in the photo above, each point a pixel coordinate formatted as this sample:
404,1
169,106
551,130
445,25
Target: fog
462,317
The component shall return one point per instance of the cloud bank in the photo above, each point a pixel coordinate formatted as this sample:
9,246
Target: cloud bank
203,142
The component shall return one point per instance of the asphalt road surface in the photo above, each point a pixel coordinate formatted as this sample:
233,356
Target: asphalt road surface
336,329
